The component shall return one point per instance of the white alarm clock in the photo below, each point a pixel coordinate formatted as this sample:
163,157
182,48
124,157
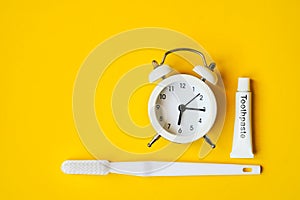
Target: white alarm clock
182,108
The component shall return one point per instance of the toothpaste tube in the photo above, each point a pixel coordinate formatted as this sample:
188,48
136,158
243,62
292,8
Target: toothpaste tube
242,139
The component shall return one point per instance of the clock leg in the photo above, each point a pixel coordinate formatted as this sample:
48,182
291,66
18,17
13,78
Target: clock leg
206,138
154,139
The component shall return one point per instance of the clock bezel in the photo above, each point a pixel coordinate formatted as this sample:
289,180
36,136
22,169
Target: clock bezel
152,103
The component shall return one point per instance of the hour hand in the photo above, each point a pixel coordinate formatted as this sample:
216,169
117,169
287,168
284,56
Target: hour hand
179,118
198,109
181,109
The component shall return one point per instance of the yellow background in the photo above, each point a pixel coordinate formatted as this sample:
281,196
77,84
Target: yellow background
43,44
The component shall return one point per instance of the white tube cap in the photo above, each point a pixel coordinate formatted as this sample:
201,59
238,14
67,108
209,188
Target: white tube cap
243,84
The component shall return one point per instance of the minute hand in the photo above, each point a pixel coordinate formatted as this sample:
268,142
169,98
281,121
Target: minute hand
198,109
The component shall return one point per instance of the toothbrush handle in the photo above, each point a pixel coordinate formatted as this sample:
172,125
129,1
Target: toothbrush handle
156,168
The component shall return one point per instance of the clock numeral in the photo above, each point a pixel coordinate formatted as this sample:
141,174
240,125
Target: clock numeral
169,125
162,96
171,88
201,97
157,106
200,120
191,127
179,130
161,118
193,89
182,85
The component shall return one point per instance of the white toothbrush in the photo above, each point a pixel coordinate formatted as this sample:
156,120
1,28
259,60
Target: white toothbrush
156,168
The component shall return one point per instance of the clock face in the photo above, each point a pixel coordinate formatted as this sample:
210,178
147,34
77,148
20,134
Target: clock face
182,108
